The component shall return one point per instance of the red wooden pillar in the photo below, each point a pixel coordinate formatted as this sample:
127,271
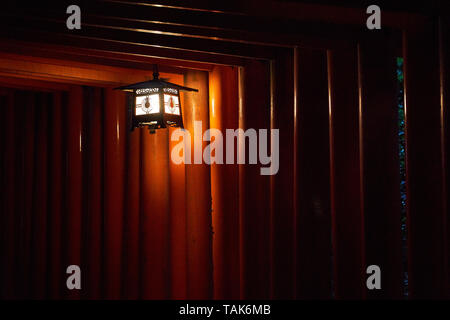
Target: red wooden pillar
8,242
313,180
241,187
3,106
4,97
198,192
40,205
93,192
115,131
19,100
223,114
177,232
345,173
74,153
444,44
25,192
55,269
254,188
380,163
154,220
132,212
283,217
425,166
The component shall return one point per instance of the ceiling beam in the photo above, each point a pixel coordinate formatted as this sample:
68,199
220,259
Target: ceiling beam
19,66
117,47
101,57
338,12
128,35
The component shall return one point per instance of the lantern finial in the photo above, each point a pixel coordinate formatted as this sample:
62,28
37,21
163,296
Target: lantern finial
155,72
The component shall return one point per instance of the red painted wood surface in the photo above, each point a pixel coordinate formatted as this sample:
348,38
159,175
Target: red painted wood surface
18,219
93,196
254,187
345,172
445,119
96,180
177,229
223,114
283,217
313,211
72,233
380,163
131,252
40,202
3,106
155,209
8,207
56,281
25,148
79,188
115,132
425,168
198,192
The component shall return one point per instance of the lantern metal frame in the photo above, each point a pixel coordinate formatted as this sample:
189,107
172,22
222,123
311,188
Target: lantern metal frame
159,119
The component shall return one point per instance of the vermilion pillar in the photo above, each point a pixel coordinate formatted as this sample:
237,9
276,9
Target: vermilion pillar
254,197
154,220
425,169
380,162
223,114
132,215
198,193
39,214
93,192
313,265
283,217
115,132
73,221
25,194
56,282
345,175
177,232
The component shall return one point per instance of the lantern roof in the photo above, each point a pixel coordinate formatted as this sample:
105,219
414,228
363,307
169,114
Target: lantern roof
155,83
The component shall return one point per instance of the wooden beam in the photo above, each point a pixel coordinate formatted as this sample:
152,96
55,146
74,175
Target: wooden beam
260,32
61,71
262,16
179,42
44,52
113,46
31,84
398,15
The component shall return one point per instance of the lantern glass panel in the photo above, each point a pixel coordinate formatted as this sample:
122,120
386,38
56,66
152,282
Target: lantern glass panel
147,104
171,104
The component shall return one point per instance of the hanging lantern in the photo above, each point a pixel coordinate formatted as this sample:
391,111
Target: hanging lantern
155,104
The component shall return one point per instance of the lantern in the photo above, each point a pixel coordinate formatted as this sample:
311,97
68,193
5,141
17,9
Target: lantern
155,103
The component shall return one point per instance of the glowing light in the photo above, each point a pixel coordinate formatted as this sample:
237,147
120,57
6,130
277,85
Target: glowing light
171,104
147,104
